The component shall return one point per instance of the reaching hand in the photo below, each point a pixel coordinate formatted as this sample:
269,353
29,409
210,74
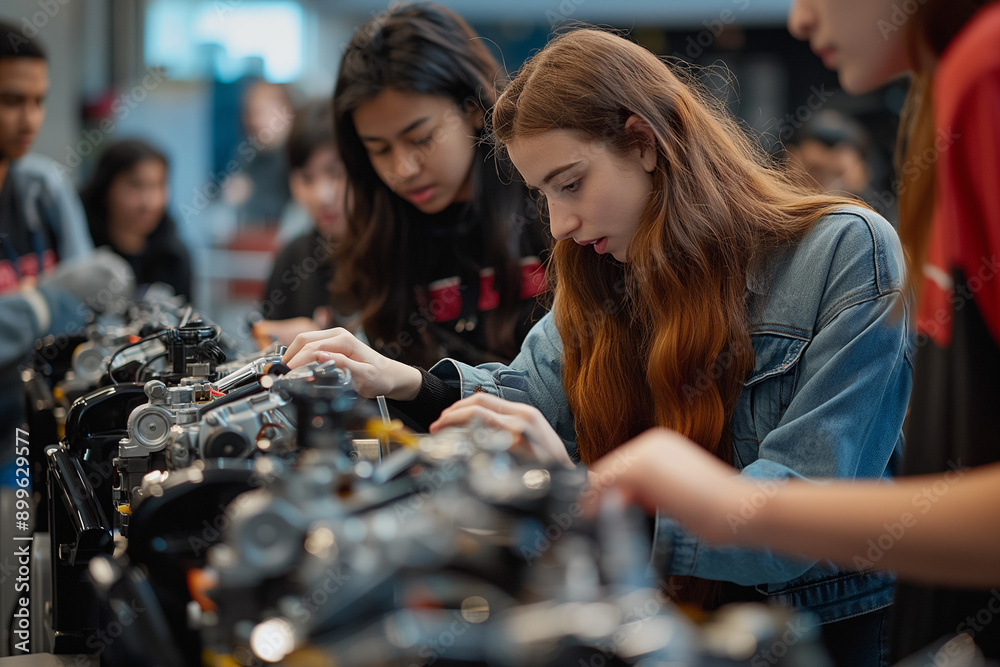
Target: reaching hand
661,468
525,422
373,374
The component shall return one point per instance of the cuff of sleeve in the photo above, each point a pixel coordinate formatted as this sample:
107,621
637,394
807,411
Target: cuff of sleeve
68,315
467,379
40,307
434,396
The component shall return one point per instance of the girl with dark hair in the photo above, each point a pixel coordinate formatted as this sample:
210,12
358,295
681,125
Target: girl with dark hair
441,253
126,205
697,287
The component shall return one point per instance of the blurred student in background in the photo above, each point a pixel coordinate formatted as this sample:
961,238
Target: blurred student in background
259,188
836,151
126,204
51,280
297,297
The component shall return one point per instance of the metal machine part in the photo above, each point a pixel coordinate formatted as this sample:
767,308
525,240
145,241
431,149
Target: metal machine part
369,569
467,552
149,429
192,422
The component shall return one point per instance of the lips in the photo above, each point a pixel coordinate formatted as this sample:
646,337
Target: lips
600,245
828,55
420,195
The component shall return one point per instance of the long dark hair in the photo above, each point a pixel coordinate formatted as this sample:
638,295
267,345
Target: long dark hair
420,48
116,160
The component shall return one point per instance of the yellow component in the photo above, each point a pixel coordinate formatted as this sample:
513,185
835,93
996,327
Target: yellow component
394,431
210,658
60,412
309,657
125,508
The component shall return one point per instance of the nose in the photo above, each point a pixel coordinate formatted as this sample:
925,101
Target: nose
151,199
562,221
801,19
33,116
408,164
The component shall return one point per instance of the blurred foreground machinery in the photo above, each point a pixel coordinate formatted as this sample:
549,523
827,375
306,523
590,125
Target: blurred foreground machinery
200,512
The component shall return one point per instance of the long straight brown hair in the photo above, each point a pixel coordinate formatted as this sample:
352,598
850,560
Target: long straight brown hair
931,29
663,339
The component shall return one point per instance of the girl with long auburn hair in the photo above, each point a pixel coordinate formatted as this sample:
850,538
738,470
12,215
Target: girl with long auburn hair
697,287
441,253
942,524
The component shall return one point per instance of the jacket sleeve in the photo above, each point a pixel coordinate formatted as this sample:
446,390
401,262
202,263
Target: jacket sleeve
843,421
533,377
26,317
71,222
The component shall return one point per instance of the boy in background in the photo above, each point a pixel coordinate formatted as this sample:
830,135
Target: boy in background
297,297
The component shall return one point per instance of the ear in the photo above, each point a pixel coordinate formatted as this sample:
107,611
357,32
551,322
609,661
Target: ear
476,115
637,126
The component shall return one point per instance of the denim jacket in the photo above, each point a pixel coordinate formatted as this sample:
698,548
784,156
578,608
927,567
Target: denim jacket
826,398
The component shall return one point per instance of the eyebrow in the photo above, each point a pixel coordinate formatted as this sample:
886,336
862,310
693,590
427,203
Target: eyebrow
409,128
555,172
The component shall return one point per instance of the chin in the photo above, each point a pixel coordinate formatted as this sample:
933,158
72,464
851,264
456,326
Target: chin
14,153
859,83
431,207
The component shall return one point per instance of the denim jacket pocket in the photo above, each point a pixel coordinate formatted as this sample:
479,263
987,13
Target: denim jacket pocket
832,594
769,389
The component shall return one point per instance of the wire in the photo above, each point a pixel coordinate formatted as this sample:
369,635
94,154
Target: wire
146,339
231,397
142,368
